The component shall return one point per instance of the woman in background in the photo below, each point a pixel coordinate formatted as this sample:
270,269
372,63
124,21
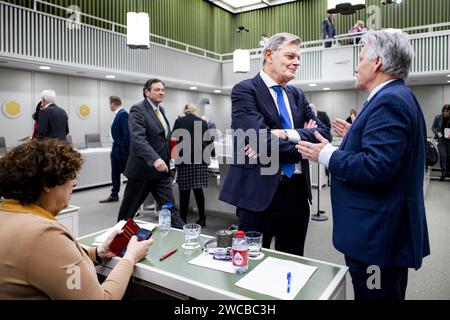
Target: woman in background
193,162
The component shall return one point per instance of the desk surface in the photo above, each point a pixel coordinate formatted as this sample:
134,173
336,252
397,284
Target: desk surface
175,273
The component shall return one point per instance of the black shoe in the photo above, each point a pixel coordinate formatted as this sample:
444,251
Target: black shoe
176,221
201,222
110,199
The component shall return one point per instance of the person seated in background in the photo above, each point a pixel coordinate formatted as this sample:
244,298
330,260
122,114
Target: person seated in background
441,126
352,116
357,28
41,258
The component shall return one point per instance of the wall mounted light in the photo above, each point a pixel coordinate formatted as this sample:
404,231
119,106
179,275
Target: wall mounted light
138,30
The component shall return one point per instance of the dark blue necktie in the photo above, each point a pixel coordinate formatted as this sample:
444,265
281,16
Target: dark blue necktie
288,168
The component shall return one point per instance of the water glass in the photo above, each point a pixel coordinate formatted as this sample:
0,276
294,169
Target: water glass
254,241
191,236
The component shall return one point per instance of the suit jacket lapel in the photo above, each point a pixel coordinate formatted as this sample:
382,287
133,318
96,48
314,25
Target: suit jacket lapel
163,112
266,98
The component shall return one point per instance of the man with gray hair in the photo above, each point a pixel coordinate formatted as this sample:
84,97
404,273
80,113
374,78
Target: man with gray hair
52,120
268,106
377,173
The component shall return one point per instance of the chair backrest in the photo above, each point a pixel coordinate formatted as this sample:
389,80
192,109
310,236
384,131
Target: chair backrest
2,146
93,140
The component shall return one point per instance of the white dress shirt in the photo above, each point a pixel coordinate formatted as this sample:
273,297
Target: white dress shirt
329,149
293,135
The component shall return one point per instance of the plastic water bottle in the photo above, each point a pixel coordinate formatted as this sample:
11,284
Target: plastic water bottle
165,219
240,253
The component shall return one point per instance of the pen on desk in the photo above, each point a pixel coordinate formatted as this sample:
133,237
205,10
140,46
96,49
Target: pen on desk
164,257
289,276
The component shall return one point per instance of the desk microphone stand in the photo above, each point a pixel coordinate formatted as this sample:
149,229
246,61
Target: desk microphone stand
320,215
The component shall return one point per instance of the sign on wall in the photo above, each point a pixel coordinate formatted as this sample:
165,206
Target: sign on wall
84,111
12,109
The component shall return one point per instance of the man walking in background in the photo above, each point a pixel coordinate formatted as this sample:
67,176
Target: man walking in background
53,121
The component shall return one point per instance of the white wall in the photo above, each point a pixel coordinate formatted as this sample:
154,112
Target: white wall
71,92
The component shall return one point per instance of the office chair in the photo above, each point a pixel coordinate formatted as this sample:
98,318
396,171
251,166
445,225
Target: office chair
2,146
93,140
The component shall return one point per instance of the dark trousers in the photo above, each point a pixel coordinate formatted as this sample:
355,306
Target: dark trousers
137,191
286,218
444,154
118,164
393,282
184,203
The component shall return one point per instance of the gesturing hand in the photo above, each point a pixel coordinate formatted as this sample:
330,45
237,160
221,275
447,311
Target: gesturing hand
341,127
310,150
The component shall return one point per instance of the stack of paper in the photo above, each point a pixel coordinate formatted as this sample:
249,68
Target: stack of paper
102,238
208,261
270,278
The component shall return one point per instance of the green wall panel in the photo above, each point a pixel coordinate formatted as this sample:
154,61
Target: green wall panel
199,23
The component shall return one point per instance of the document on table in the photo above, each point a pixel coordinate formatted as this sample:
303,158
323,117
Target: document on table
270,278
208,261
102,238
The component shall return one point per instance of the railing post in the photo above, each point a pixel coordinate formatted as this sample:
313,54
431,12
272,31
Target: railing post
35,5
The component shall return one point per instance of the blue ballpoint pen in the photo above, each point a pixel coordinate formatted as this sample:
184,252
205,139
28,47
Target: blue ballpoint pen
289,275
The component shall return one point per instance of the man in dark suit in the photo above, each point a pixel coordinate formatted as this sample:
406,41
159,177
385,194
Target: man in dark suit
322,116
148,166
328,30
120,134
52,120
377,173
278,204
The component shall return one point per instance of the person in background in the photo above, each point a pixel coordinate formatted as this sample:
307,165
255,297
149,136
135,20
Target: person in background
148,165
120,134
357,28
40,256
377,173
441,130
352,116
53,121
35,117
322,116
263,40
192,166
328,30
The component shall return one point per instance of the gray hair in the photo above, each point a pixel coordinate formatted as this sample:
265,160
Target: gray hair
313,107
275,42
49,96
394,50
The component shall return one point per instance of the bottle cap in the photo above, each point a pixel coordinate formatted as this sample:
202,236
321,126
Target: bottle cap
167,206
240,234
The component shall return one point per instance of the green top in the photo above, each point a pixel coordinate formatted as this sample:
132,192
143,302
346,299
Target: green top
178,264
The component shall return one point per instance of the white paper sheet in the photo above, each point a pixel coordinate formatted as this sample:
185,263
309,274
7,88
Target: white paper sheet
447,133
102,238
208,261
270,278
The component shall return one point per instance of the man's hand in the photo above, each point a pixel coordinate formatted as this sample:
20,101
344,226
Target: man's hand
440,135
310,125
310,150
341,127
280,133
160,166
249,152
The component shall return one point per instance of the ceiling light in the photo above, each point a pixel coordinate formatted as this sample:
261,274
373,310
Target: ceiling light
313,85
44,68
448,76
448,81
193,88
326,89
110,76
217,91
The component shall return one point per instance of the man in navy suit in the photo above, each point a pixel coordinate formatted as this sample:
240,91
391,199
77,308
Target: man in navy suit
378,172
275,204
120,134
328,30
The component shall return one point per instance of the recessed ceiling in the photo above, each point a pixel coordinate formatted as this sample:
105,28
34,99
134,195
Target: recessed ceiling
238,6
